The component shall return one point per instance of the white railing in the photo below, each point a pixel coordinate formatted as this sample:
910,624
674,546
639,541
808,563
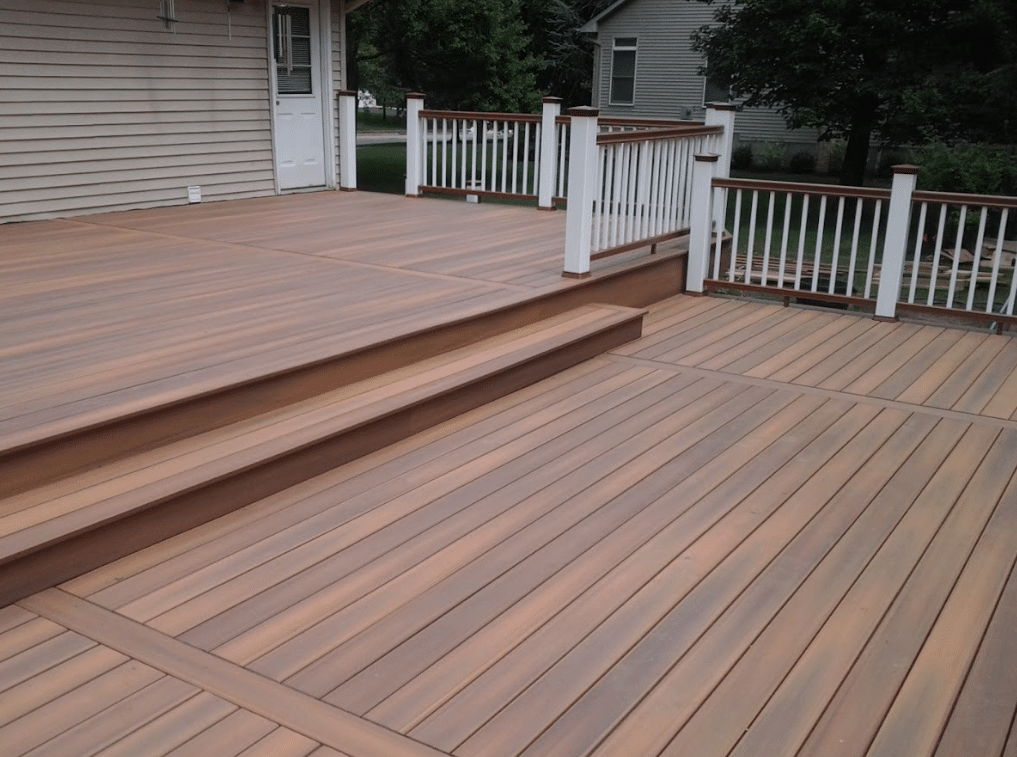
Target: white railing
485,154
644,182
630,183
962,253
806,237
889,250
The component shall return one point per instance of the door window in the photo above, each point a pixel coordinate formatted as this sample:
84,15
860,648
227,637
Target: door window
292,35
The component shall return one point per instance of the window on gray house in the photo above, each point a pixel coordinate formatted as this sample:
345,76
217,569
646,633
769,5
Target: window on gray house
623,71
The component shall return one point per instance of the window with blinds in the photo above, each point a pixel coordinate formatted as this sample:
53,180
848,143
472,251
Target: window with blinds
292,27
623,71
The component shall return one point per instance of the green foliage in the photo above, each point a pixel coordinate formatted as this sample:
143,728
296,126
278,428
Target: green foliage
803,162
905,71
834,150
462,54
741,158
890,158
975,169
376,78
771,156
565,53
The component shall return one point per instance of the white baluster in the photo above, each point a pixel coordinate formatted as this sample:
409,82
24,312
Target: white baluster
414,144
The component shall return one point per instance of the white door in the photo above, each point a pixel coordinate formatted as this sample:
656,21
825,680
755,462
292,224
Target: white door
299,128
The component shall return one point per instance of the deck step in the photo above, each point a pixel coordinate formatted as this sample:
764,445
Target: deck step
57,531
68,435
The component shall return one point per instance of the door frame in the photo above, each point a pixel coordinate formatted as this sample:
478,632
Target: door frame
324,18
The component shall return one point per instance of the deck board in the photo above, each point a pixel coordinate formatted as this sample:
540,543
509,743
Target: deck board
756,530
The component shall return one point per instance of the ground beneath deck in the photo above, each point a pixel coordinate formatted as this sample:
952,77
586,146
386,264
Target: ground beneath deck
754,531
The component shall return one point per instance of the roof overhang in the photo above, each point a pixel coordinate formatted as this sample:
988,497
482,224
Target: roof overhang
591,25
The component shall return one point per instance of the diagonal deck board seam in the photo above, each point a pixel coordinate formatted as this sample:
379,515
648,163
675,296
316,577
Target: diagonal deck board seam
299,712
955,415
243,246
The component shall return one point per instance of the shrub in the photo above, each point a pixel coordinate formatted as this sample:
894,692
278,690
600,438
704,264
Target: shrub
803,162
771,156
835,155
889,159
741,158
972,169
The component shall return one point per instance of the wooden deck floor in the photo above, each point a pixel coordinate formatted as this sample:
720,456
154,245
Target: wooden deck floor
754,531
107,311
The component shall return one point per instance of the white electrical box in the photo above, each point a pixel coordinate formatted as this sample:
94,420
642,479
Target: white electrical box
194,194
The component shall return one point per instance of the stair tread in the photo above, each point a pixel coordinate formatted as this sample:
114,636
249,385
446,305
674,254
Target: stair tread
85,501
159,390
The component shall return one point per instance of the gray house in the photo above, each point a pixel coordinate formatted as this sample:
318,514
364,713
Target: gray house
644,67
115,104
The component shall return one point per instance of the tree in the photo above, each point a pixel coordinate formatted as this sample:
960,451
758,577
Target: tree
463,54
905,71
565,53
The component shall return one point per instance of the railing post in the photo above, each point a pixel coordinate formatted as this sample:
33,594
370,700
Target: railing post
898,221
701,221
581,191
414,154
347,140
722,114
548,170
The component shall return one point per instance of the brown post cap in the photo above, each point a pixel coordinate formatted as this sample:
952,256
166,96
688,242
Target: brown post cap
722,106
584,111
905,168
708,157
346,93
550,99
414,96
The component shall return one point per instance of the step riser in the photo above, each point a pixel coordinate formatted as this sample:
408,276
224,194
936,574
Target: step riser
63,560
57,458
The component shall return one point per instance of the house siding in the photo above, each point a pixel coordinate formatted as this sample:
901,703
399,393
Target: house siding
104,108
667,83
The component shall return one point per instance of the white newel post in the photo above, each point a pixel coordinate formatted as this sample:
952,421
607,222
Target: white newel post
548,152
581,191
722,114
700,232
414,156
898,221
347,140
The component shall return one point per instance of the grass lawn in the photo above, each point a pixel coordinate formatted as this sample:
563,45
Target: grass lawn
370,121
382,168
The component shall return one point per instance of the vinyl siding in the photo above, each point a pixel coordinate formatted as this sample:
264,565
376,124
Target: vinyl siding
667,83
106,109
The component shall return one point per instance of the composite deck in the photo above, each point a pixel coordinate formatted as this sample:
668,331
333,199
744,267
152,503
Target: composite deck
755,530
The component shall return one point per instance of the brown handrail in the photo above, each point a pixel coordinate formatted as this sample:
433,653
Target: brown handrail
794,187
617,137
478,116
650,122
956,198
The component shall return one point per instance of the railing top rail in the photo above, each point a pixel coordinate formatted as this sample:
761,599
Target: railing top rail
956,198
648,122
802,188
616,137
479,116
